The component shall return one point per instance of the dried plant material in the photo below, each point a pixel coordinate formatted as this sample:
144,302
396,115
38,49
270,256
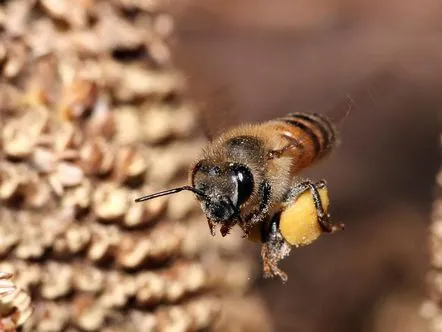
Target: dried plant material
56,281
42,89
66,137
15,304
110,203
105,241
26,275
138,216
163,25
136,82
134,253
79,198
203,312
73,241
10,100
16,140
50,316
38,234
78,99
142,321
11,182
2,52
124,36
174,319
151,288
160,52
184,280
6,285
56,185
129,164
147,6
20,135
235,316
89,100
8,233
28,249
180,206
74,13
87,314
167,239
88,279
69,175
431,309
37,193
102,120
120,289
160,245
171,161
15,59
127,117
159,126
16,16
96,157
43,159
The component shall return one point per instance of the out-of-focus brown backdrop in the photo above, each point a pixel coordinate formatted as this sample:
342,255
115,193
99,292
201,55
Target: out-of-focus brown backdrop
384,60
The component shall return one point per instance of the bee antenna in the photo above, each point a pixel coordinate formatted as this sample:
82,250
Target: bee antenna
170,192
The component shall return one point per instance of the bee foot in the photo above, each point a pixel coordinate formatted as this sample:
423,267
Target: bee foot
224,230
270,261
338,227
212,228
330,228
271,270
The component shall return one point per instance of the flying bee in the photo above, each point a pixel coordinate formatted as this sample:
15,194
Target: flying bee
248,176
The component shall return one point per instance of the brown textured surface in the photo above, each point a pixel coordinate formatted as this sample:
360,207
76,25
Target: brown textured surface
432,307
92,116
15,304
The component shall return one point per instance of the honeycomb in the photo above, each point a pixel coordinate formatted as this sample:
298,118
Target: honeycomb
93,115
431,308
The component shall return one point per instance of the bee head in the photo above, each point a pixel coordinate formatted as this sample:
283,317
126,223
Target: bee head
225,186
221,190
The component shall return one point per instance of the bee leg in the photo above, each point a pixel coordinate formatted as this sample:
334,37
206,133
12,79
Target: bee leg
259,215
225,229
293,143
211,227
323,218
274,249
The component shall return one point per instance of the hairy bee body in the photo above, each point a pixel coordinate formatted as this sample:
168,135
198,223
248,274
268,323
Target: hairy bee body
274,151
248,176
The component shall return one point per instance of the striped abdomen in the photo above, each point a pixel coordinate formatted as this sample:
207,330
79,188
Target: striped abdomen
311,135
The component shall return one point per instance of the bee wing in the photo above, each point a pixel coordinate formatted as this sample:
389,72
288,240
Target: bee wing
363,94
214,103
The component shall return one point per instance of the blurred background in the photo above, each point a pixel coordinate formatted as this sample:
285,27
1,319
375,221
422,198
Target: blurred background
254,60
75,75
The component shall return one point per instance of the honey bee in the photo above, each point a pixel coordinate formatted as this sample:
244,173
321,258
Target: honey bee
248,177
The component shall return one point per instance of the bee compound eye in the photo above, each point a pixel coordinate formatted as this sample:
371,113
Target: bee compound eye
243,178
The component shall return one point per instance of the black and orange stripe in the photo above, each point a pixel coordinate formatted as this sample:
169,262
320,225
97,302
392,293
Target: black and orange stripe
312,132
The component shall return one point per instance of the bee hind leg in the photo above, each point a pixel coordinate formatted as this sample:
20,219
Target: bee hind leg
274,249
323,217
